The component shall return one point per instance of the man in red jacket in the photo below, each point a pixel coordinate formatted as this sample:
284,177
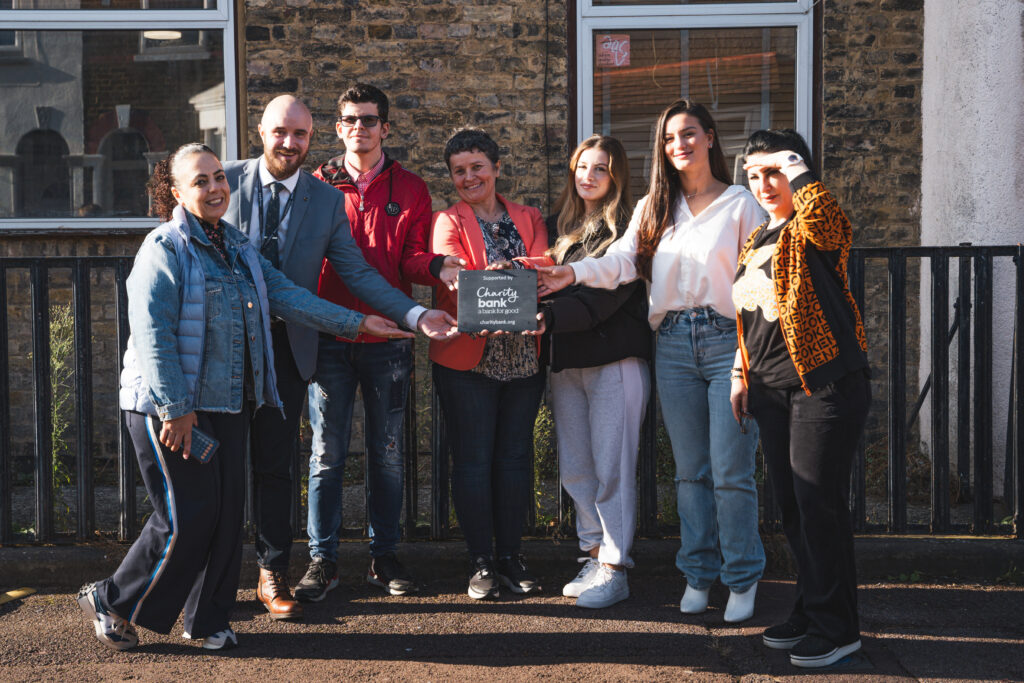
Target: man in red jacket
389,211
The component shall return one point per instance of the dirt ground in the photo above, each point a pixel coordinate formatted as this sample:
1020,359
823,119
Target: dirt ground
926,632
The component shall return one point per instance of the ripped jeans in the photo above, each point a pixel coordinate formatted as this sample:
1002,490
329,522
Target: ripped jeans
715,491
381,370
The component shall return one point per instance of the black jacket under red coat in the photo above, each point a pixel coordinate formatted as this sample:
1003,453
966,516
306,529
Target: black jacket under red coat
589,327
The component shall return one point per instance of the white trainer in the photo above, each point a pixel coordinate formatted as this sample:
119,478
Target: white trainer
574,588
694,601
221,640
741,605
608,587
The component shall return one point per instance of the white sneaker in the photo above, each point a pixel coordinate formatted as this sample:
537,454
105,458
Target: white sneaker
694,601
574,588
741,605
221,640
608,587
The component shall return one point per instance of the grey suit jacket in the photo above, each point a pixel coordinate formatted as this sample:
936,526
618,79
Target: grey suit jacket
318,228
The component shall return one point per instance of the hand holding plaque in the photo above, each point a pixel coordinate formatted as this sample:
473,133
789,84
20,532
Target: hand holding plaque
497,300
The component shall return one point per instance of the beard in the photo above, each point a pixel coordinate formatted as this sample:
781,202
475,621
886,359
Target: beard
284,168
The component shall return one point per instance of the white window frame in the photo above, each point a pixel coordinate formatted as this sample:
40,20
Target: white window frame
591,19
220,18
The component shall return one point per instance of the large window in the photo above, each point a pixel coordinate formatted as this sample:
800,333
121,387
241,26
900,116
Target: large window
749,63
101,91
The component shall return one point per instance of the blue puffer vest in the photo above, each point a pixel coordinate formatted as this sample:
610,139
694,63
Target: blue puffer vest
191,330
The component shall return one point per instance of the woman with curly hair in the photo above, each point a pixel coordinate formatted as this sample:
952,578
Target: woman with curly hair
199,362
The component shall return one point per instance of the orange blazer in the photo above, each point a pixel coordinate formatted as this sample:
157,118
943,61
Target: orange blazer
456,232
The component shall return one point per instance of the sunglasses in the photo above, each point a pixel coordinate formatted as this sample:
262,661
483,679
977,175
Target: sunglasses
368,121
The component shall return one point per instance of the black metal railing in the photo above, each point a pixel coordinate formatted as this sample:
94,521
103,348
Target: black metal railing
884,304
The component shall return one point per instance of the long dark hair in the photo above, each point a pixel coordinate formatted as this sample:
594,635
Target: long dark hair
164,178
616,206
666,187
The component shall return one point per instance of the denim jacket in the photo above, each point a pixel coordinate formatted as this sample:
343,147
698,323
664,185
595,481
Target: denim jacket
192,315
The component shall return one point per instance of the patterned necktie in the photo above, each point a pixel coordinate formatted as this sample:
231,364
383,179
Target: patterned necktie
270,225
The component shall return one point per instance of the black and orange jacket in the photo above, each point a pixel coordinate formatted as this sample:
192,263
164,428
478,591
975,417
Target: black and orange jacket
820,321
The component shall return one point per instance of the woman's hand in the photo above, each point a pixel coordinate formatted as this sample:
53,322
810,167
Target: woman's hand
541,326
500,265
382,327
550,279
450,271
778,161
177,433
738,400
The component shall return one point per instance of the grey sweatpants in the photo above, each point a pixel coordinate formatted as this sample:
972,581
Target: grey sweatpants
598,412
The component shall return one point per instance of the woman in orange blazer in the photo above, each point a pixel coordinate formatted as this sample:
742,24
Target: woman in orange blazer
489,385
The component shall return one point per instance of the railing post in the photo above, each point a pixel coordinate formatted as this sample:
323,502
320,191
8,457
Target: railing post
43,394
83,386
1018,398
6,530
438,470
983,391
940,392
125,449
897,392
858,484
963,378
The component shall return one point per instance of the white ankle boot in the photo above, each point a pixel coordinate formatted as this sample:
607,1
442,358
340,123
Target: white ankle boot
741,605
694,601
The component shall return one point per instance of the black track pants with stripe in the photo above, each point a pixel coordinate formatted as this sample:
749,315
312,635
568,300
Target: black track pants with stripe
189,553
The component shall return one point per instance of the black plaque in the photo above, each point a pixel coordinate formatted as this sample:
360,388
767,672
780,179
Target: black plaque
497,300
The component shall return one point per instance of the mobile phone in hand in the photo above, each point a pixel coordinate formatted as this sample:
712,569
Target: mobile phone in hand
203,445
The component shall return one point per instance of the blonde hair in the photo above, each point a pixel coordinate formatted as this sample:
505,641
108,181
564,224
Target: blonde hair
573,221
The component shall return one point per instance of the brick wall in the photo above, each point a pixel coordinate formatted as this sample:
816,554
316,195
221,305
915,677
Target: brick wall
871,128
443,64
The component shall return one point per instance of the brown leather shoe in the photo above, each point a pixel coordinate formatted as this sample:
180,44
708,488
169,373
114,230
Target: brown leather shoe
272,591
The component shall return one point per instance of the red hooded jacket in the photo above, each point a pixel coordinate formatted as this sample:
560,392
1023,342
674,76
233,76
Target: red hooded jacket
397,246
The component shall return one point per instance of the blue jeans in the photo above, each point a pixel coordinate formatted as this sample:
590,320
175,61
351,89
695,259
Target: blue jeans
381,370
715,490
489,424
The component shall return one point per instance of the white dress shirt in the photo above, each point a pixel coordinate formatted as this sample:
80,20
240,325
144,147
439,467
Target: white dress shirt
255,220
695,262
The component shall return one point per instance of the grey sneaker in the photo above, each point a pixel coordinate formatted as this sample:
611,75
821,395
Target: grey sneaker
583,579
484,582
321,576
112,630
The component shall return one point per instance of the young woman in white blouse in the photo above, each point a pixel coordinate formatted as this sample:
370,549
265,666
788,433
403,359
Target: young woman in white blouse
684,239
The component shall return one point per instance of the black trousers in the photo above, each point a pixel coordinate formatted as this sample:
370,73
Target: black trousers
189,553
809,444
490,428
273,451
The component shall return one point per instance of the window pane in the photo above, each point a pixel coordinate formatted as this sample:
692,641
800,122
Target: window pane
90,114
630,3
745,76
108,4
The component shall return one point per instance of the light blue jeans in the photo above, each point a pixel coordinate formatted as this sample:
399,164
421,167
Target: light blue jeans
715,492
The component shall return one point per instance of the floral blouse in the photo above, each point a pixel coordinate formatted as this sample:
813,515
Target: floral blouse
508,356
